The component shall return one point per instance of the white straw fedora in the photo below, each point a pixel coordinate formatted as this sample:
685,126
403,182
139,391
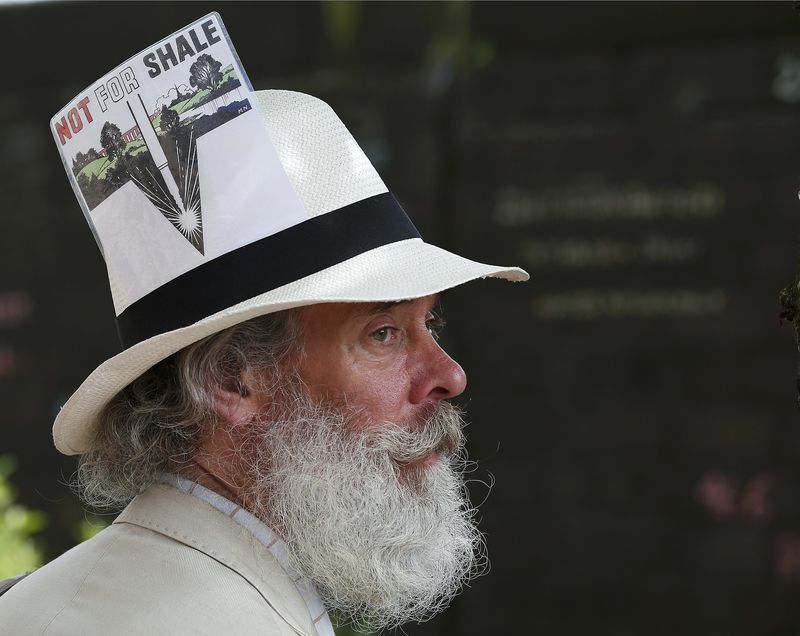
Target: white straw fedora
356,245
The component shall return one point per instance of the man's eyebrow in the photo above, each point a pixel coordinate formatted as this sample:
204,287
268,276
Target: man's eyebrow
379,307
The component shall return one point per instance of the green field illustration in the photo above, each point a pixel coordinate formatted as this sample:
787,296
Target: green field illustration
116,159
197,99
99,167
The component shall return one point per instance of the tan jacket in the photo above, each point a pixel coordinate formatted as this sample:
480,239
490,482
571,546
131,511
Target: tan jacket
170,564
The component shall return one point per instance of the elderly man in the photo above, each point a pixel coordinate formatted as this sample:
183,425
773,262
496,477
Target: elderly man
278,428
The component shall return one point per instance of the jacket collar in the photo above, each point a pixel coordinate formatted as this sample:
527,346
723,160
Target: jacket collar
195,523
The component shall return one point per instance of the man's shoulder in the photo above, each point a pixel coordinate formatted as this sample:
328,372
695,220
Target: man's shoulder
133,580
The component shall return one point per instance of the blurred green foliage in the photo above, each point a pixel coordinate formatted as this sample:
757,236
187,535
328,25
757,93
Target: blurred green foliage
87,527
343,629
342,19
19,550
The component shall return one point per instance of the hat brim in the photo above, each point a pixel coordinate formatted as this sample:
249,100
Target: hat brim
397,271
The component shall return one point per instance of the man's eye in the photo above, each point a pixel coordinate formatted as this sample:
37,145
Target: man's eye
381,335
435,327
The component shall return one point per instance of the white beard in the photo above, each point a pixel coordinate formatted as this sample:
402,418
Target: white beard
384,543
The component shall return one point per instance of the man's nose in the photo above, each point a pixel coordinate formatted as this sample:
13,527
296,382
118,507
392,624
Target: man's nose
440,377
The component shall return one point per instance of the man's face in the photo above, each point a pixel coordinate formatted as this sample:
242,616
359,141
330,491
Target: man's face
358,465
383,357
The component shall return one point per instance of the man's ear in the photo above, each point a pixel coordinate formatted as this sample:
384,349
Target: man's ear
236,402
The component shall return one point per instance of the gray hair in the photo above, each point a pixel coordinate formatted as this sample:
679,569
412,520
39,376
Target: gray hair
155,423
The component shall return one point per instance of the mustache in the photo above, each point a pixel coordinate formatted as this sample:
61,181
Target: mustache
440,431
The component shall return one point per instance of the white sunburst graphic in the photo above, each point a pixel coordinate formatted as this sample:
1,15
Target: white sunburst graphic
190,223
185,214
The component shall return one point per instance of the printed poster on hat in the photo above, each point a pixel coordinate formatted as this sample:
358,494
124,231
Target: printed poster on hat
171,162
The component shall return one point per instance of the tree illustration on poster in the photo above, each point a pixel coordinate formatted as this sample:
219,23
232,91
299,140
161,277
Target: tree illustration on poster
111,140
205,72
170,120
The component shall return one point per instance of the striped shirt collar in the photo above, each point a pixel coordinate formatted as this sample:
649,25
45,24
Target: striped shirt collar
265,536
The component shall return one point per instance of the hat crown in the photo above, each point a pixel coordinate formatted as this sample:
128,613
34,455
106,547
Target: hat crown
325,164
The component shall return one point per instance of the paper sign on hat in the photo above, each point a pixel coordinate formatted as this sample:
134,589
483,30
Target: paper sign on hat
159,151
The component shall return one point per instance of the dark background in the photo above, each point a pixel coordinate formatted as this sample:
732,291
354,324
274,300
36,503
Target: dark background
635,402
